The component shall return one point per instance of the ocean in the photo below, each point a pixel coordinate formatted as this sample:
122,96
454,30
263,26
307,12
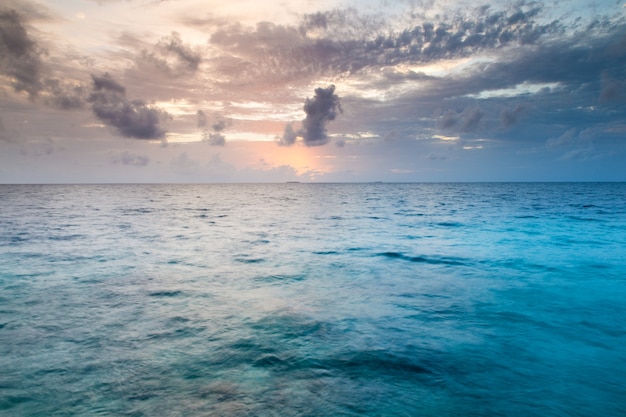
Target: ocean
463,299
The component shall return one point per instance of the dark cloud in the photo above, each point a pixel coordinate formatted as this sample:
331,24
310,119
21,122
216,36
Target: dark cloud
612,89
30,11
433,156
289,136
106,83
219,125
214,137
65,95
20,56
471,118
133,119
509,116
448,120
347,42
320,111
581,74
201,119
172,57
22,60
466,121
129,158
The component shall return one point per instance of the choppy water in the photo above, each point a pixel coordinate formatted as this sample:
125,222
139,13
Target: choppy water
313,300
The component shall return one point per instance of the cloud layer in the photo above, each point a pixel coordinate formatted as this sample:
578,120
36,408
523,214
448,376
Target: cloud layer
436,83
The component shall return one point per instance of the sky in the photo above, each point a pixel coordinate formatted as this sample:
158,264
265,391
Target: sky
110,91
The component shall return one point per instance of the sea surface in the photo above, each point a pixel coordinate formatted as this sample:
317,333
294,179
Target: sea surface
313,300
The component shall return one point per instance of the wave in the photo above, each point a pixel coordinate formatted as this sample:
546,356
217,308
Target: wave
165,293
423,259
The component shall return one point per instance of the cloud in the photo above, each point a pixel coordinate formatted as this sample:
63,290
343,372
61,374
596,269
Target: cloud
201,119
105,82
172,57
347,42
219,125
471,118
509,116
433,156
20,56
320,111
566,138
128,158
289,136
64,95
613,90
21,59
466,121
215,137
133,119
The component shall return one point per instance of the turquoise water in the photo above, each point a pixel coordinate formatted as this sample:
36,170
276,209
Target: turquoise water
313,300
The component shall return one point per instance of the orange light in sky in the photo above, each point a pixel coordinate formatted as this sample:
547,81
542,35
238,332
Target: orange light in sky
299,157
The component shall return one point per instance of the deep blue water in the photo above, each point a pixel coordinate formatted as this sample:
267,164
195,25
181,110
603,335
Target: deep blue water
313,300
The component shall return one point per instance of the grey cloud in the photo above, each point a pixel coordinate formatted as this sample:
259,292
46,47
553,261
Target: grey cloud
172,57
509,116
65,96
613,89
129,158
201,119
466,121
471,118
590,95
433,156
320,111
105,82
589,52
219,125
289,136
347,42
341,24
30,10
20,56
21,59
448,120
133,119
215,137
